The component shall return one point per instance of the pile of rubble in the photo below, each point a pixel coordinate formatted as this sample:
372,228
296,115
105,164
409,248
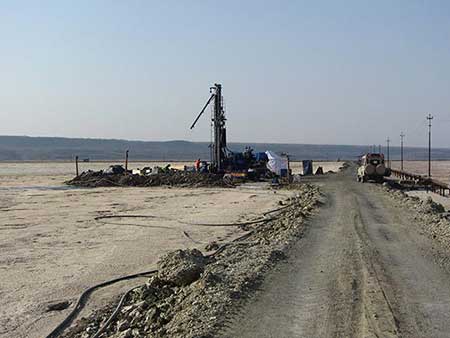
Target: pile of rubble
193,295
433,217
92,179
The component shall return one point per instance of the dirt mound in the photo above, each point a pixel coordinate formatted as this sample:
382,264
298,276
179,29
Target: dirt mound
92,179
181,267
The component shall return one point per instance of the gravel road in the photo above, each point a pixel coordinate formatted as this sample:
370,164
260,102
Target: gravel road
363,269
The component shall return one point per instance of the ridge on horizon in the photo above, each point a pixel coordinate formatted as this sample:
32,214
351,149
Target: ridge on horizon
32,148
207,142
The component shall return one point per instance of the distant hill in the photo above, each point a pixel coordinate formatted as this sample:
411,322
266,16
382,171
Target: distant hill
23,148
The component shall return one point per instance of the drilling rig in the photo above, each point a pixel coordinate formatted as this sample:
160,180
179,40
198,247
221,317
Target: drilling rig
219,146
245,164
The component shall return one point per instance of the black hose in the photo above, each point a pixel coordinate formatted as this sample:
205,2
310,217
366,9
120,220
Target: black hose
261,220
115,313
125,216
122,300
85,295
278,209
139,225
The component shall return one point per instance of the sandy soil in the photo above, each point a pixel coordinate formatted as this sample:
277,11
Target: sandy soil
439,169
40,173
52,248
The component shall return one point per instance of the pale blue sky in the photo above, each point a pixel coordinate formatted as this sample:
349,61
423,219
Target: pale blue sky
339,72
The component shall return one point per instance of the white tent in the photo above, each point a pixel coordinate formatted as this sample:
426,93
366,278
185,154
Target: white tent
276,163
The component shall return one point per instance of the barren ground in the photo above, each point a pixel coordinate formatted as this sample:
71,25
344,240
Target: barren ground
52,248
439,169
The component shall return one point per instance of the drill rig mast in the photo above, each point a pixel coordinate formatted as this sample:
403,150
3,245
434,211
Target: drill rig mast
219,147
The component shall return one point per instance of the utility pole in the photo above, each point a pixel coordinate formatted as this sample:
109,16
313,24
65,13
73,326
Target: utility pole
76,165
126,160
388,159
402,135
429,118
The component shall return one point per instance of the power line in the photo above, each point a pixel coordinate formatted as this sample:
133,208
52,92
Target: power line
402,135
429,118
388,159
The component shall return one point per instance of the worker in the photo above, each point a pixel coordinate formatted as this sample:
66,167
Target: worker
197,165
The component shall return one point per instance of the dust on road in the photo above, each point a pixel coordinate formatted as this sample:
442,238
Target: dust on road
363,269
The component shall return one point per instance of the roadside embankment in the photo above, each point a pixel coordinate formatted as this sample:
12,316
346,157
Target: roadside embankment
431,215
192,291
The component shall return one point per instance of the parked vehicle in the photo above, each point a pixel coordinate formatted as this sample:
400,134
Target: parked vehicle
372,168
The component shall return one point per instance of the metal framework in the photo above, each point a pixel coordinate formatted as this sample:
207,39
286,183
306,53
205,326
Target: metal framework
424,181
219,146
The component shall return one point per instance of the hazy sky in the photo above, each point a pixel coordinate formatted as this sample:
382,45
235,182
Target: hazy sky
345,72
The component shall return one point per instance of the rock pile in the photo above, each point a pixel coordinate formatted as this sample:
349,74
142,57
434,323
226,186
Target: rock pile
192,295
434,206
431,215
181,267
92,179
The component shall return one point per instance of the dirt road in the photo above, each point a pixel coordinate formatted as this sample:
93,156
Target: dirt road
362,270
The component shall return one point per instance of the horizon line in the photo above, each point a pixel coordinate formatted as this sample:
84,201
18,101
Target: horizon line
231,142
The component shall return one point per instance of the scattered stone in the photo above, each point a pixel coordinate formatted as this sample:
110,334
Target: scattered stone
59,306
122,326
181,267
212,246
277,255
436,207
126,334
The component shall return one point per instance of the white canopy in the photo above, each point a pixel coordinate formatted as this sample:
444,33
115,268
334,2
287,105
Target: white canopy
276,163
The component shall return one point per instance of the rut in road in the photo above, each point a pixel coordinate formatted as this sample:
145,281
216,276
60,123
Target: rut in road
361,270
